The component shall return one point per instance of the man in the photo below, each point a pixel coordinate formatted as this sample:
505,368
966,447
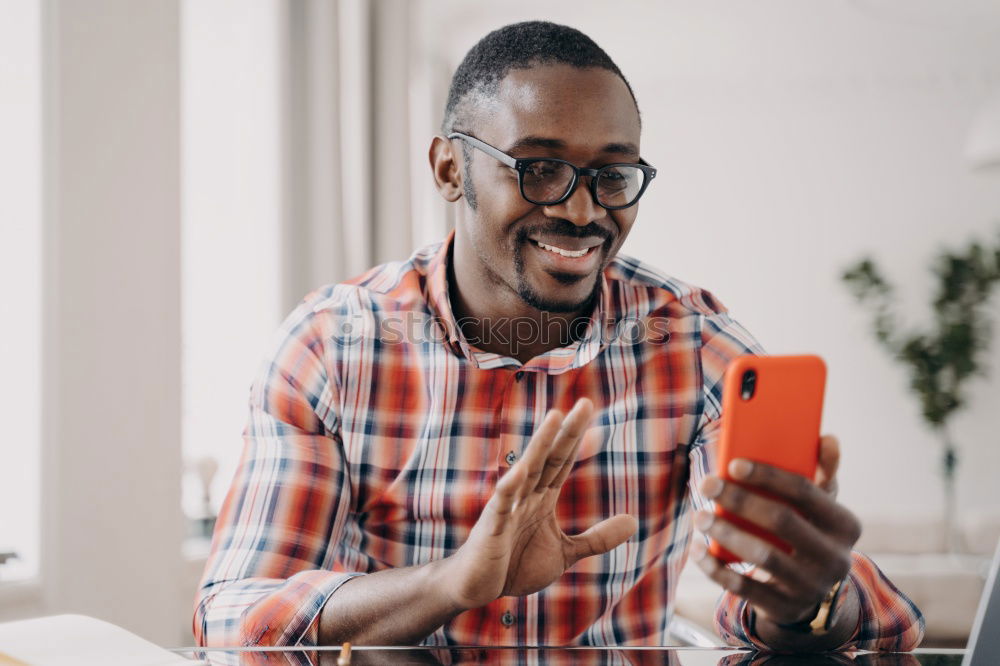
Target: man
503,440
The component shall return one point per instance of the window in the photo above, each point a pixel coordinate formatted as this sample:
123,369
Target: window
20,289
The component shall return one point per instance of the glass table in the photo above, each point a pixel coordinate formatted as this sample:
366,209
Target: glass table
584,656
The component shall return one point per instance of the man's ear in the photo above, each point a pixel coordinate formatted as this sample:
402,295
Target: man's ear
447,169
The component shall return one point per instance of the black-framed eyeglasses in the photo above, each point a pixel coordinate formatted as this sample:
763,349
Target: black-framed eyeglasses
548,181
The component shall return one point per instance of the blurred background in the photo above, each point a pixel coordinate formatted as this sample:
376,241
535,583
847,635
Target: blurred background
176,174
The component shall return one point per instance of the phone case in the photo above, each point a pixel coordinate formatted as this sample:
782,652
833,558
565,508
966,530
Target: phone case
778,425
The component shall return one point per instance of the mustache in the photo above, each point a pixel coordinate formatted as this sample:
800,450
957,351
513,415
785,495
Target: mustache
567,229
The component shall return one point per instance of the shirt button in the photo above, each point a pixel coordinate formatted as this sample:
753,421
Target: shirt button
519,375
511,457
507,619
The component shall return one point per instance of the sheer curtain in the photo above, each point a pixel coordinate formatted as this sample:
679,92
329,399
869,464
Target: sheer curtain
359,118
301,147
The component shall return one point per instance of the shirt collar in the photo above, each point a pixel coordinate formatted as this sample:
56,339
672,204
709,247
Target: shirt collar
555,361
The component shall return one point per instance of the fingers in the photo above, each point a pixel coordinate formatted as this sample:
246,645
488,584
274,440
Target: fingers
815,504
829,462
571,461
762,596
776,517
802,580
563,450
504,497
602,537
536,453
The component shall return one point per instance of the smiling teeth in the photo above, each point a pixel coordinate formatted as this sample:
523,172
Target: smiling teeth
559,250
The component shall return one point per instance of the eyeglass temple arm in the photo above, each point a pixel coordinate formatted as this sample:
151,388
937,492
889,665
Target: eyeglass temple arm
486,148
512,162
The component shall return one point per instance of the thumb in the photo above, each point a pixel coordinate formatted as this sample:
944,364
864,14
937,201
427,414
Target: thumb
601,538
829,461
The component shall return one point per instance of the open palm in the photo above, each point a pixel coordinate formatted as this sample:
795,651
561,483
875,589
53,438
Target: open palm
517,547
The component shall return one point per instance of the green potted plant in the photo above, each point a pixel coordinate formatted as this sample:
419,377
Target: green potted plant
941,359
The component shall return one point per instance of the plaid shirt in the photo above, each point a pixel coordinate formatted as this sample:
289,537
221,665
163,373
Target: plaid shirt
377,433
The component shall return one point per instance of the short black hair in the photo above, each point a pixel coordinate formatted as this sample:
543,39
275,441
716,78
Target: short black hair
518,46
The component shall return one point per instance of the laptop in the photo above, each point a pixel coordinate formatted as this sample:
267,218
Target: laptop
984,641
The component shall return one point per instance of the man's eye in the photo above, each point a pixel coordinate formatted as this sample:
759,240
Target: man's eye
614,180
538,170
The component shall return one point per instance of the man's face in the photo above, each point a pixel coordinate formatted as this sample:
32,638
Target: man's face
584,116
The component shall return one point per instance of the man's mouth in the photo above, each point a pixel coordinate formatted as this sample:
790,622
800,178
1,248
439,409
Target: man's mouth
563,251
568,256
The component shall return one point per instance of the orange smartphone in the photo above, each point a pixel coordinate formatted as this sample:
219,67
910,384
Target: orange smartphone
771,412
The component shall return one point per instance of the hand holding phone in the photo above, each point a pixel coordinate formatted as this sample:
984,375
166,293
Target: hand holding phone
771,412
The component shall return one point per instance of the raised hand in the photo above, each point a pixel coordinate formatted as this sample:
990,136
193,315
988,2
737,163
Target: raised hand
517,547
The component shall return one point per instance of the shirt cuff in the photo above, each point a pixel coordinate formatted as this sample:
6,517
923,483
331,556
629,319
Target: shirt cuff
744,629
290,614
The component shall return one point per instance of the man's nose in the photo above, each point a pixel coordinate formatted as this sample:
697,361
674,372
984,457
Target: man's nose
580,208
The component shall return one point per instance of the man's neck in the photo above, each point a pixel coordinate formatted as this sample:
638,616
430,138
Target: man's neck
502,323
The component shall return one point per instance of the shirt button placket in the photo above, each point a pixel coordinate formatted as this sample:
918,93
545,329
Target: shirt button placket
509,441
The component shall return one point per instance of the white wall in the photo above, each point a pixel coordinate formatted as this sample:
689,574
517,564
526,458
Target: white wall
115,386
790,138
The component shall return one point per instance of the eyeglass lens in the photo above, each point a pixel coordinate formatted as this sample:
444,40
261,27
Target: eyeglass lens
547,181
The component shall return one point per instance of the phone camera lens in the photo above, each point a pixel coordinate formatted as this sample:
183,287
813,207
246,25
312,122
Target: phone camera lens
748,385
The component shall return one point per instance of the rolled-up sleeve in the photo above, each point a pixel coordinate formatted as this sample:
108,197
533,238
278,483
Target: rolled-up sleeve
888,619
271,567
